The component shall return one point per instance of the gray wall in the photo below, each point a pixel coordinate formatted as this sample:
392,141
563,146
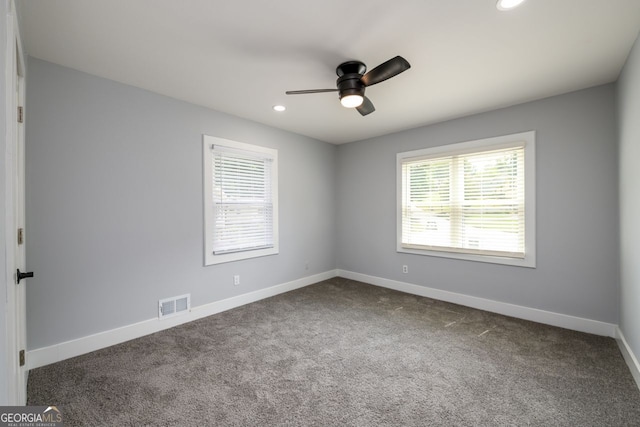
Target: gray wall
4,391
114,204
629,133
114,208
577,208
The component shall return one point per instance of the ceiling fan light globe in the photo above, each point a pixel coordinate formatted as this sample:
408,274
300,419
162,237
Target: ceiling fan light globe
351,101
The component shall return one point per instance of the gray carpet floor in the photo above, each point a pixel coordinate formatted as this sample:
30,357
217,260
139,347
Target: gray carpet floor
344,353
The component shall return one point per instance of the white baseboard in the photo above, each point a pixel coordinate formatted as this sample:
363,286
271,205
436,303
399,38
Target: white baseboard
629,357
547,317
55,353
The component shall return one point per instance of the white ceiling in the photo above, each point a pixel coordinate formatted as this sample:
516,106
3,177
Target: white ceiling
240,56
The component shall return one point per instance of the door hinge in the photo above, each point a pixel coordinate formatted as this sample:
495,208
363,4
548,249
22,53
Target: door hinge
21,357
20,236
20,114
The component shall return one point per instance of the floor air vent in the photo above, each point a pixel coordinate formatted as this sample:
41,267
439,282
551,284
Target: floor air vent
169,307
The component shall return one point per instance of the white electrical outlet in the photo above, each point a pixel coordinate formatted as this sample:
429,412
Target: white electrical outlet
405,268
306,265
236,279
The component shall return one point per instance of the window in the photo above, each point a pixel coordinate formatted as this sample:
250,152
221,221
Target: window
241,200
473,200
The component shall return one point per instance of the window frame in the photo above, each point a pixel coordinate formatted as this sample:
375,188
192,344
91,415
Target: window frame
209,257
479,145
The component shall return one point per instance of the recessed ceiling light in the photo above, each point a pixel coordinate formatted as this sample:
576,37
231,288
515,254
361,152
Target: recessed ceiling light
279,108
508,4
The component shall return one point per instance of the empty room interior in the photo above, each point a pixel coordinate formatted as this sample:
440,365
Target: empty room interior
321,213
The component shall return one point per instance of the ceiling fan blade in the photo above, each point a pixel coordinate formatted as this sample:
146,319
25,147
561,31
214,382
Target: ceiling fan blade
385,71
366,107
302,92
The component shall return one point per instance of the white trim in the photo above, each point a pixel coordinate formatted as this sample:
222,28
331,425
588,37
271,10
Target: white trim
271,153
629,356
533,314
468,147
58,352
55,353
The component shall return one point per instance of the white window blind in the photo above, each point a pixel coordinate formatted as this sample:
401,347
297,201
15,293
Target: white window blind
241,209
469,198
242,202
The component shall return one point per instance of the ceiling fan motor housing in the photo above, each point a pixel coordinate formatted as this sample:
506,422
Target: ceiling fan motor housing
350,84
349,75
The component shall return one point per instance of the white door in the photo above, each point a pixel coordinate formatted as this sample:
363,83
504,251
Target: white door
15,218
20,257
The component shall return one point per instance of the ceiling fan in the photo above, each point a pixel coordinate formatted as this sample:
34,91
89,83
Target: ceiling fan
352,82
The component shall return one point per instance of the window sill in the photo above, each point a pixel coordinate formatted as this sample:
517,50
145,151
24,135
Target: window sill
528,261
211,259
